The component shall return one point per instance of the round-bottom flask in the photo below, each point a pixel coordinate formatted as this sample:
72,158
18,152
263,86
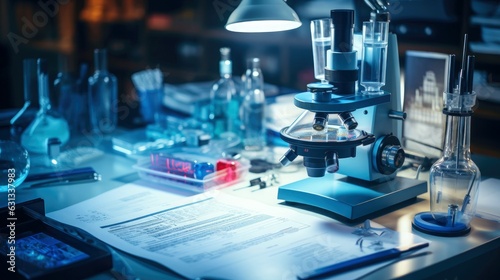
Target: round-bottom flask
454,178
14,165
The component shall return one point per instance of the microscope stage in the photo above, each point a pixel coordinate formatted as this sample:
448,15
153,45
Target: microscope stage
348,197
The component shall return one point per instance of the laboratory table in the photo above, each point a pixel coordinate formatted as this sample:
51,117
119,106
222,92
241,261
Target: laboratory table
474,256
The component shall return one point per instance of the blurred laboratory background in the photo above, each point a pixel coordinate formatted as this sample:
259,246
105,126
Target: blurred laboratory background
183,39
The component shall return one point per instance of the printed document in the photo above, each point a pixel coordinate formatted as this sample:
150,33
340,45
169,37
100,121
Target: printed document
218,235
487,202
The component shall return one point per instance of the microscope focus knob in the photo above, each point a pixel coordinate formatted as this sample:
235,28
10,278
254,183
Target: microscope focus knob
393,156
388,155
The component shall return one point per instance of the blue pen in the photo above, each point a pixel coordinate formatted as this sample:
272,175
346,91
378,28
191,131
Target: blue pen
361,261
60,174
73,179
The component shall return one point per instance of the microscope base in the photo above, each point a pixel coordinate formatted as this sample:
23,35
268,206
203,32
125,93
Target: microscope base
348,197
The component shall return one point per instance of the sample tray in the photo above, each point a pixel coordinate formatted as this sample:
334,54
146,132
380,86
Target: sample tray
217,180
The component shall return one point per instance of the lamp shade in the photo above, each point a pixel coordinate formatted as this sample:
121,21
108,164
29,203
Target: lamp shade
262,16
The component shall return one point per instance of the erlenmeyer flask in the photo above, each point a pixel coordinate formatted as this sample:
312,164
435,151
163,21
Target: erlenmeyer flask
48,122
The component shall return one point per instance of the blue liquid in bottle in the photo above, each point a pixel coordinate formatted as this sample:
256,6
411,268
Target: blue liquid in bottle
223,107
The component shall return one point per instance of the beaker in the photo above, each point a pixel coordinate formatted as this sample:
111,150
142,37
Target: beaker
321,42
374,56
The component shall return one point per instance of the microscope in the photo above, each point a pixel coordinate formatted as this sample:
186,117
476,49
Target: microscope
348,133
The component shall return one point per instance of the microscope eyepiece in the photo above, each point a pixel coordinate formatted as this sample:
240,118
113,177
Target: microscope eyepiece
342,27
341,62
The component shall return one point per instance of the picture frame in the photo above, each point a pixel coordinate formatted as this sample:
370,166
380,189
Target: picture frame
424,82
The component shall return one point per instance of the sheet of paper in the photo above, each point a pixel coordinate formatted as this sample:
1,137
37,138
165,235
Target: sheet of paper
487,202
218,235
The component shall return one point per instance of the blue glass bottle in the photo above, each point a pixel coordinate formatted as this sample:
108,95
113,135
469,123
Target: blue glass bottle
223,91
103,96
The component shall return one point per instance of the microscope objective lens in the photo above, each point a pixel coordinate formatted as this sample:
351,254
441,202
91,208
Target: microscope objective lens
320,121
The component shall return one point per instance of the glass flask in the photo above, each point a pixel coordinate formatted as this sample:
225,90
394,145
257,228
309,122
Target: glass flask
103,99
27,113
454,178
48,122
14,165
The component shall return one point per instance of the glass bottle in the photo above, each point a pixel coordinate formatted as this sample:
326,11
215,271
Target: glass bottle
64,91
82,114
27,113
454,178
253,109
233,110
48,122
103,95
221,96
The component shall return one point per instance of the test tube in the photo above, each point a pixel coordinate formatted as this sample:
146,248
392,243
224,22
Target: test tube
374,56
321,42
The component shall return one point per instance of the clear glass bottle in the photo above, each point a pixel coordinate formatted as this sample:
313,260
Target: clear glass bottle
48,122
64,91
81,113
103,95
454,178
27,113
221,96
253,109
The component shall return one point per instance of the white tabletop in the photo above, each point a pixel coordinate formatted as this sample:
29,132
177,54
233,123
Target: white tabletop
444,253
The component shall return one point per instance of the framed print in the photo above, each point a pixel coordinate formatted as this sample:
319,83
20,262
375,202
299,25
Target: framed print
424,81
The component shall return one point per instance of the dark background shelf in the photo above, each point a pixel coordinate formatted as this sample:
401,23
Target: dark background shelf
183,38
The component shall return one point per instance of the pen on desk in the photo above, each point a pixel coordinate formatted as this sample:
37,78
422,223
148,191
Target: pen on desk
361,261
60,174
74,179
